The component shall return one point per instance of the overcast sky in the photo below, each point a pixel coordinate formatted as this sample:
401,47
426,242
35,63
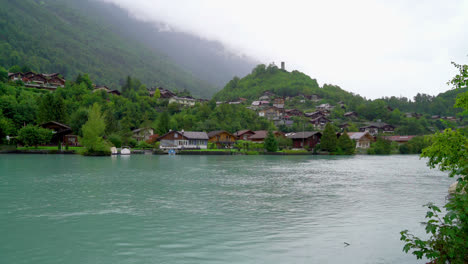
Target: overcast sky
373,48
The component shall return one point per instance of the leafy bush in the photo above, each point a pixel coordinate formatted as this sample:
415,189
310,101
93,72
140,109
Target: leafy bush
380,147
33,136
212,145
144,145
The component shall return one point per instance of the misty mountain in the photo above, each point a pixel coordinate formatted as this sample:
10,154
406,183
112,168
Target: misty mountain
208,60
72,37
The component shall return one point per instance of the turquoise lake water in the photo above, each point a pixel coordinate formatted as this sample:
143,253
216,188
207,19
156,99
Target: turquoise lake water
212,209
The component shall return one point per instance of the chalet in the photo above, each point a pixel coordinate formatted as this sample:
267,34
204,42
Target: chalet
293,112
315,114
362,139
279,103
165,94
260,135
243,134
376,128
143,134
435,117
222,139
183,140
320,122
17,76
260,103
264,98
42,81
307,139
271,113
351,115
61,133
327,107
37,79
185,101
399,139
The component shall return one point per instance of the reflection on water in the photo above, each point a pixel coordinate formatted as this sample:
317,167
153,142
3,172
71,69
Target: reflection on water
212,209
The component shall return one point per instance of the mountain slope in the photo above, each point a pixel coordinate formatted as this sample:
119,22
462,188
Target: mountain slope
49,36
208,60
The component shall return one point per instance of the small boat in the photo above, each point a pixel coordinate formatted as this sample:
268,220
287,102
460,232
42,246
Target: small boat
125,151
171,152
114,151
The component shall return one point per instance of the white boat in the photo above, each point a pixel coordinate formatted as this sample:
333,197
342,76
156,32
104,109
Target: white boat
125,151
114,151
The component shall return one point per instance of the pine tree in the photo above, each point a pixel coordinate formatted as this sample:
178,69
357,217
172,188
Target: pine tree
271,145
346,144
329,140
164,123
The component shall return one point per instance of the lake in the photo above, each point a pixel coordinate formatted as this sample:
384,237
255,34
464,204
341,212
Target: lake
212,209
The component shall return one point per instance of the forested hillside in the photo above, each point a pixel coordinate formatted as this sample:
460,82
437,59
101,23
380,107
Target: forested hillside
208,60
271,78
50,36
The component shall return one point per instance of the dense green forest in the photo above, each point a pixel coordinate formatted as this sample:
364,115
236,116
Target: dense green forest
49,36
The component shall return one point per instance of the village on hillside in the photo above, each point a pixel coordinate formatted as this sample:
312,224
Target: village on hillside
278,109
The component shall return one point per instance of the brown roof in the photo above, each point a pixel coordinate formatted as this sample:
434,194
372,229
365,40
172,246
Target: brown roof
261,134
53,123
242,132
305,134
217,132
359,135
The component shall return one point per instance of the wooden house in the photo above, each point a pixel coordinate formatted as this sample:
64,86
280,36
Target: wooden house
243,134
351,115
260,135
315,114
323,107
271,113
319,122
376,128
293,112
60,133
183,140
165,94
222,139
278,103
307,139
363,139
143,134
